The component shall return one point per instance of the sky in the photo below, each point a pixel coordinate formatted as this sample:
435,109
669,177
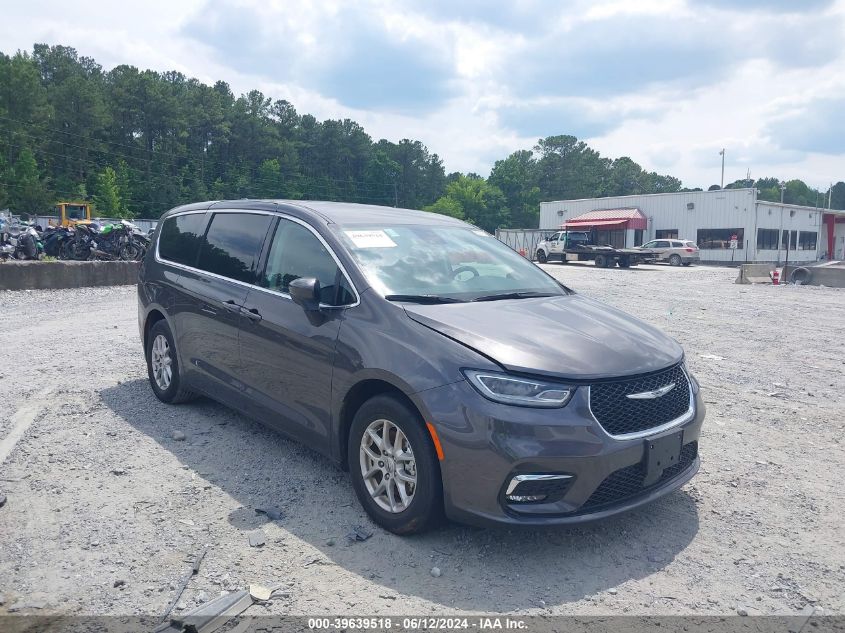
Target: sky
667,82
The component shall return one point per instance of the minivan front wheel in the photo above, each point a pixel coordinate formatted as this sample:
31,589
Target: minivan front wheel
163,366
393,466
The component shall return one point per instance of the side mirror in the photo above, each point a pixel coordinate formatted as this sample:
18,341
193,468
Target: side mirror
305,292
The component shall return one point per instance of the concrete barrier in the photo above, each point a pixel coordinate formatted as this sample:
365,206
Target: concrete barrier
830,276
755,274
16,275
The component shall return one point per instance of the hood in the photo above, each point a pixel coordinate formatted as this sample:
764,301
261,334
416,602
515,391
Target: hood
567,337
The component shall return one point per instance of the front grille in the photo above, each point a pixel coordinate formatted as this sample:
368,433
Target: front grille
628,482
619,414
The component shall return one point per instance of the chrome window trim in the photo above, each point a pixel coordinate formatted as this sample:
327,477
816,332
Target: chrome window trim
518,479
683,419
275,293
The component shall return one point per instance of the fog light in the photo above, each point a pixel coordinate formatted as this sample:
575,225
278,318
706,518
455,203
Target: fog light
525,498
536,487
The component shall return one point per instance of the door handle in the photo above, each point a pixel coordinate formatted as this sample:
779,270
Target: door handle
231,305
251,313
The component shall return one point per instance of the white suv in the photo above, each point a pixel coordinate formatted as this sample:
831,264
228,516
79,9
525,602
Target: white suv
673,251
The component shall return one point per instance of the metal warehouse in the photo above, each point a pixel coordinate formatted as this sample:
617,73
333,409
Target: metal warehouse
727,224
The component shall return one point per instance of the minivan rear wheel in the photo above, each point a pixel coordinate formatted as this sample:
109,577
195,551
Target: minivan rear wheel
163,366
675,260
393,466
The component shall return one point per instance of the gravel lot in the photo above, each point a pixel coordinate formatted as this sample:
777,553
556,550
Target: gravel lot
100,492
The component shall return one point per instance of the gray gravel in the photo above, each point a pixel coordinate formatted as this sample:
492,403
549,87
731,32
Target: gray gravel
107,509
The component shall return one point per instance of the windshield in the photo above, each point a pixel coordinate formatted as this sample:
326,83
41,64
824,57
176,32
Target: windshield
452,262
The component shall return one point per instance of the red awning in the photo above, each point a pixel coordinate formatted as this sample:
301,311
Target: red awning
627,218
586,224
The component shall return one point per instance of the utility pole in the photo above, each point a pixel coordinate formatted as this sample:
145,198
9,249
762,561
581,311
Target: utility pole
829,196
723,168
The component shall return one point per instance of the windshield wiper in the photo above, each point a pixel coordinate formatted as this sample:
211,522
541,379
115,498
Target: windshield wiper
515,295
423,298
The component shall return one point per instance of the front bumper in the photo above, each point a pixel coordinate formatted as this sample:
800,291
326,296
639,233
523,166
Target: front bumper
485,444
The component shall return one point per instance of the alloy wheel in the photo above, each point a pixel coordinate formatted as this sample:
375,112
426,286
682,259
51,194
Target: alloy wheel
388,466
162,362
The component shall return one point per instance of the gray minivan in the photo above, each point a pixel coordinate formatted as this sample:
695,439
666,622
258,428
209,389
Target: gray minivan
447,373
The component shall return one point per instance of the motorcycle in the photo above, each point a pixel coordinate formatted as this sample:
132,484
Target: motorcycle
56,240
20,241
118,241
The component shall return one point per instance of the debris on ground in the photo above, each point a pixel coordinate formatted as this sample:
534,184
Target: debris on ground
272,513
257,538
37,600
119,583
261,593
211,615
358,534
178,436
118,471
711,357
435,571
2,499
195,567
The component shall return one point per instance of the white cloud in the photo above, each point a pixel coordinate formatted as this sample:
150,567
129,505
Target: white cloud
666,82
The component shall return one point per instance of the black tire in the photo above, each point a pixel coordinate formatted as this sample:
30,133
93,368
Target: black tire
675,260
601,261
131,252
541,256
425,510
624,263
801,276
175,393
687,263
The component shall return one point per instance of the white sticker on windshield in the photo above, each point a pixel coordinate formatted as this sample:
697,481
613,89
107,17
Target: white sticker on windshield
480,232
370,239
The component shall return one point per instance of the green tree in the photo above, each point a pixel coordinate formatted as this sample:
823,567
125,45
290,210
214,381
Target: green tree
837,199
28,193
107,195
516,177
475,200
446,206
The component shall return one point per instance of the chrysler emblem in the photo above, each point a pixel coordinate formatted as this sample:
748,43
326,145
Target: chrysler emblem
651,395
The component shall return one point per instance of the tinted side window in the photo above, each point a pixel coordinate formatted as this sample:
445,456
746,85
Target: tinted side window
180,238
296,252
232,245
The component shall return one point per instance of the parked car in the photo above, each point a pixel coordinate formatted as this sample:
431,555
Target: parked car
446,372
674,252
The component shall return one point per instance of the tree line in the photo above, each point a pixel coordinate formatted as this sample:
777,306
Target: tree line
138,142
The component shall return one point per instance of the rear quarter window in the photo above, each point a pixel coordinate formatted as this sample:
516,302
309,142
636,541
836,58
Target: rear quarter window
180,237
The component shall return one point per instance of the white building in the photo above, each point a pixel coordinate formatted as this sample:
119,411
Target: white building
762,231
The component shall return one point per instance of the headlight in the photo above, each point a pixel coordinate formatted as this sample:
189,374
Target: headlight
519,391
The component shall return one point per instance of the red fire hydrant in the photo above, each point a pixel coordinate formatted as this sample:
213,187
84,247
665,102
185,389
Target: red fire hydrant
775,277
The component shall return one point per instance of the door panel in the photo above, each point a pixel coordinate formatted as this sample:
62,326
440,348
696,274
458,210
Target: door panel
214,291
208,332
287,354
287,358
